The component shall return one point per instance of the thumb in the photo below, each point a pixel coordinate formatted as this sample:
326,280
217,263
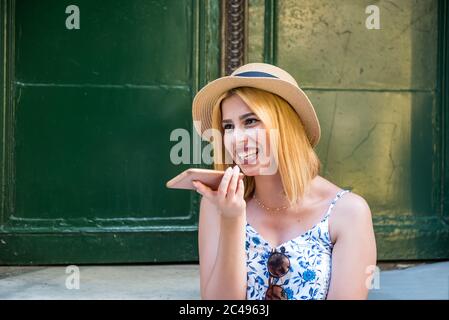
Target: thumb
203,189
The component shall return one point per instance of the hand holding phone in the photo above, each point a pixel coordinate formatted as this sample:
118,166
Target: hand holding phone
225,190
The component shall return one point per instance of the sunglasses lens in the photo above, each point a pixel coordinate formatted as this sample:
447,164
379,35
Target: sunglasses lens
275,292
278,264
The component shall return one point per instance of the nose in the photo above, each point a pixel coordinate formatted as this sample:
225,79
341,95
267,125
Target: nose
244,139
239,136
238,140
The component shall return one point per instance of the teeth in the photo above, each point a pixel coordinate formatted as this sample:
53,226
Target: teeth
247,155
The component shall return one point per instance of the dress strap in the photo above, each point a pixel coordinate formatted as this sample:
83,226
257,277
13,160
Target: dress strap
334,201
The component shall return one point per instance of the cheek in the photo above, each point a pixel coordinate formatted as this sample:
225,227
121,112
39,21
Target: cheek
267,138
263,140
227,141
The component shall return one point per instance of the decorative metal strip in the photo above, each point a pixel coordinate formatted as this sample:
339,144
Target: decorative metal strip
234,34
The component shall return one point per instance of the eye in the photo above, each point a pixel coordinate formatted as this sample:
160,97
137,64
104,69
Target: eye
228,126
251,121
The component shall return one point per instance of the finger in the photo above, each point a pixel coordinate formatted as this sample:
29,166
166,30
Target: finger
223,187
233,183
202,189
240,189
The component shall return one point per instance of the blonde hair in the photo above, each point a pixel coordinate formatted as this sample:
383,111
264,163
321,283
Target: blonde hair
298,163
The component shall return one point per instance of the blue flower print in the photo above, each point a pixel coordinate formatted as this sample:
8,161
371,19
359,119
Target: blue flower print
266,255
256,240
289,293
309,275
259,280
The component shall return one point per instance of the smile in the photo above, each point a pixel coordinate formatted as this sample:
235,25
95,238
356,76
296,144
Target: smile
248,156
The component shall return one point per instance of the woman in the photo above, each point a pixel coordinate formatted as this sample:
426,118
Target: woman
286,233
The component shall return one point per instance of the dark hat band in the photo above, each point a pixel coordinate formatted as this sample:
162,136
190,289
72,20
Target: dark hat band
255,74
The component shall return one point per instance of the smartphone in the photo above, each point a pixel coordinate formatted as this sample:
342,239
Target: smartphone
211,178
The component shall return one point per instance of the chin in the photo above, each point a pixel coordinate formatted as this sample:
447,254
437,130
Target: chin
249,170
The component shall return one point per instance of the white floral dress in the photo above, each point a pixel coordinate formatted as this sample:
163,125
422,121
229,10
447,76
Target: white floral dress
310,257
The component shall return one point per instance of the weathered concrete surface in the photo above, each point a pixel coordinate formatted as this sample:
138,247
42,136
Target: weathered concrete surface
427,281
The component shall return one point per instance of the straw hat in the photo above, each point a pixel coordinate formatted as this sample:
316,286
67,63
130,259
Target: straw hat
262,76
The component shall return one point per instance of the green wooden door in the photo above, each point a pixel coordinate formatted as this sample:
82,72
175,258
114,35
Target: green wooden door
382,98
87,117
88,112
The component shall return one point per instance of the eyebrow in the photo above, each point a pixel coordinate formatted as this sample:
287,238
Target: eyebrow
243,116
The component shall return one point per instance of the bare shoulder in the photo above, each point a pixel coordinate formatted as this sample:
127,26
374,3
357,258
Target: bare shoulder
351,205
351,214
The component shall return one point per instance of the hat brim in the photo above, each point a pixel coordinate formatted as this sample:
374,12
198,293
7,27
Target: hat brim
208,96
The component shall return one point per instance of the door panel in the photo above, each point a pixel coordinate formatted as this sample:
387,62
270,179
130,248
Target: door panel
87,129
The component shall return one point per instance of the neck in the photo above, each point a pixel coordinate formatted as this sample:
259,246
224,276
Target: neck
270,191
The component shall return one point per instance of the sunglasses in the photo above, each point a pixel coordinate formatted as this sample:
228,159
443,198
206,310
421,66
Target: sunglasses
278,266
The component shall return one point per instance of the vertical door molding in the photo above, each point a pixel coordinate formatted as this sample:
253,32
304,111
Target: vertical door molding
442,120
234,34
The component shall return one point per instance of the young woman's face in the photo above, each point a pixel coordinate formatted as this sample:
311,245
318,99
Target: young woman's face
245,137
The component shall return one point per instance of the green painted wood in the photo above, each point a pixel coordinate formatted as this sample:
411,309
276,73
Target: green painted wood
112,246
88,122
381,97
442,119
270,31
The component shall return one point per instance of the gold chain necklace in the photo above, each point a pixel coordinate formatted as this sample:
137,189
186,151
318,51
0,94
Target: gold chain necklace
278,209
